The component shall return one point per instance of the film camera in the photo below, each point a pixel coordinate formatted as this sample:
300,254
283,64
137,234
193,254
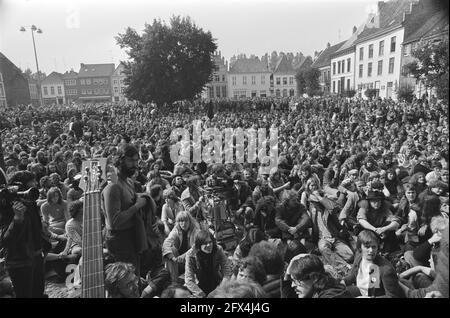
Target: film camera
11,193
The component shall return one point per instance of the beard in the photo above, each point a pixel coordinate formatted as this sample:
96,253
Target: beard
128,172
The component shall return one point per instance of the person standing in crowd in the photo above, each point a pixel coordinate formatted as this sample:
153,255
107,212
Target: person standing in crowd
21,238
121,206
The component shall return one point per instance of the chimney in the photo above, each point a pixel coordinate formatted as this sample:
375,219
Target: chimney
380,6
328,45
354,29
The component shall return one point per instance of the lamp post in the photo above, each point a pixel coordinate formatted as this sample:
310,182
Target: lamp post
33,29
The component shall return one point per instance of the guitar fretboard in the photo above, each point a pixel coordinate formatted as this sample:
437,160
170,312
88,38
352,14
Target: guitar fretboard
92,284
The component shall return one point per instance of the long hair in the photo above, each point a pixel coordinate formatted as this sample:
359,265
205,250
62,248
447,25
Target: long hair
51,192
114,273
186,216
310,267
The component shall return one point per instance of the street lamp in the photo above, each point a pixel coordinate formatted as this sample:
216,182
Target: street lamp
33,29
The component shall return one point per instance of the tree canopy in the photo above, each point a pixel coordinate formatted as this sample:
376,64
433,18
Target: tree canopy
308,81
167,62
431,66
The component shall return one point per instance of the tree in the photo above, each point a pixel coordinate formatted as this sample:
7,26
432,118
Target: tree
308,81
167,62
431,66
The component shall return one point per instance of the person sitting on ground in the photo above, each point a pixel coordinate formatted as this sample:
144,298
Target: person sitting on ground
170,209
310,280
55,212
408,212
264,219
74,230
371,275
293,221
271,256
375,215
121,281
176,290
251,269
180,240
206,265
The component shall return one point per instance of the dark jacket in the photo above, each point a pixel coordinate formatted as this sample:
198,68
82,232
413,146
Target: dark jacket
337,290
20,241
389,287
292,217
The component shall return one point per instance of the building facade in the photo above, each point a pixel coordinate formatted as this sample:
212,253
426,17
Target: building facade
379,51
94,82
323,64
52,89
70,86
248,77
3,103
283,79
118,86
218,87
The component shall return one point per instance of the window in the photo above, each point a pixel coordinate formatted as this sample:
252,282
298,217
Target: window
334,69
348,84
254,81
96,91
361,53
284,80
122,90
115,82
291,80
285,93
391,65
339,67
89,92
45,90
262,94
381,48
369,69
360,70
52,90
88,81
393,39
263,80
339,86
244,80
277,93
278,80
82,82
233,81
291,92
348,65
370,51
328,75
224,91
380,67
59,90
254,93
217,78
334,86
223,78
83,92
217,90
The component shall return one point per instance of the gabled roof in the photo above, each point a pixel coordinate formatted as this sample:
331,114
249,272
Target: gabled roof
389,16
283,66
70,75
118,70
324,58
252,65
96,70
52,77
434,25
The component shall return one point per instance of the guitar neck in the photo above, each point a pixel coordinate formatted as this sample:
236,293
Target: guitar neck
92,275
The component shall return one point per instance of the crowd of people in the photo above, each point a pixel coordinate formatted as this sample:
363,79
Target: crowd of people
357,205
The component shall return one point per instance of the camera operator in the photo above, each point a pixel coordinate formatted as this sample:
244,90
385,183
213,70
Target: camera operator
21,237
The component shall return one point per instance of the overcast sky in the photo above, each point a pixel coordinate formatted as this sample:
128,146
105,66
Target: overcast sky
82,31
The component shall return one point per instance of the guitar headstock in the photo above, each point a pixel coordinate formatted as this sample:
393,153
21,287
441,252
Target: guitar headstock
93,174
